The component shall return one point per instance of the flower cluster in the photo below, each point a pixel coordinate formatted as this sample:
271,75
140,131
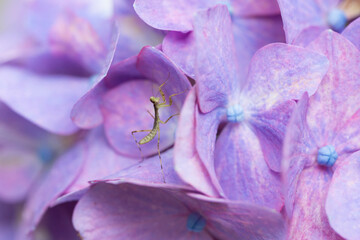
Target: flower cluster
161,119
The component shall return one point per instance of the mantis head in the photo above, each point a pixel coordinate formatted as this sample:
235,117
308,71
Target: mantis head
154,99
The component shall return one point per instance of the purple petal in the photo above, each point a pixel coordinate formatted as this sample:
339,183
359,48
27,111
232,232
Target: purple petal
216,68
154,65
253,33
342,202
7,221
61,175
187,161
280,72
352,32
149,171
308,35
19,167
124,109
46,101
270,128
242,169
101,161
255,8
309,219
86,112
159,213
333,104
170,15
299,150
300,14
180,47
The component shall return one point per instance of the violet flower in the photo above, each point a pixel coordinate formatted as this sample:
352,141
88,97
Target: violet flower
150,211
304,20
244,163
321,162
121,99
254,24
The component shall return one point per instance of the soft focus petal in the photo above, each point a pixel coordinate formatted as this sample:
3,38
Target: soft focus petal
343,199
309,219
46,101
7,221
187,161
300,14
280,72
216,68
270,128
57,180
335,101
170,15
352,32
155,213
242,170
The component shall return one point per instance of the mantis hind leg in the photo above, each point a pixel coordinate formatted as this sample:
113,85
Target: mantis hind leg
132,133
158,148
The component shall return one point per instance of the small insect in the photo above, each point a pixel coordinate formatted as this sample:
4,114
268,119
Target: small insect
156,129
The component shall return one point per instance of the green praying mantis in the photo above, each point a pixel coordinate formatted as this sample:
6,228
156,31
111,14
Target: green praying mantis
156,126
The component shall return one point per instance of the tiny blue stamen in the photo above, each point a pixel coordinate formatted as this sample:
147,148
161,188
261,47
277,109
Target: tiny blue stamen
45,153
327,156
337,19
235,113
195,222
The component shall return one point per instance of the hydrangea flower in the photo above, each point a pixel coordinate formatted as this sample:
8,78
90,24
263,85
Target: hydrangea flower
150,211
254,24
305,20
244,163
320,151
121,99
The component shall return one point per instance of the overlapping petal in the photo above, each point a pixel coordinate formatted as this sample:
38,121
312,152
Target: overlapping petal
162,213
342,202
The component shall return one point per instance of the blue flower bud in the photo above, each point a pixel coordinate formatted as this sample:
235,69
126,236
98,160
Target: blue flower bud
195,222
337,20
327,156
235,113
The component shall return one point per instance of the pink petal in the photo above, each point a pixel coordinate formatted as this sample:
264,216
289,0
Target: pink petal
216,68
46,101
343,199
187,161
242,170
309,219
333,104
280,72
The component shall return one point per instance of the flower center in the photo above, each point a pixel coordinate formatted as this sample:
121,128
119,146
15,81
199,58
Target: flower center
45,153
337,19
235,113
327,156
195,222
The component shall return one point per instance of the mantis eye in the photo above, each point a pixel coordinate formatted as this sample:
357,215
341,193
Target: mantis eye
195,222
327,156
